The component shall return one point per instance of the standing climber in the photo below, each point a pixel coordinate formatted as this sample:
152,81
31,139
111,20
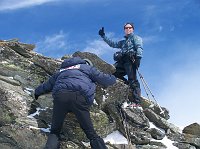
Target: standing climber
73,88
127,59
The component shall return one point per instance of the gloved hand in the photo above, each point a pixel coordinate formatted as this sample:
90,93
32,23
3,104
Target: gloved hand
137,62
117,56
131,55
101,32
36,96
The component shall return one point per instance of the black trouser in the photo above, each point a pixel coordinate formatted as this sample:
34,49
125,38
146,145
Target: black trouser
127,67
69,101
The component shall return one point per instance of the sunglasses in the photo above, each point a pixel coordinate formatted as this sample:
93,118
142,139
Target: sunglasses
128,27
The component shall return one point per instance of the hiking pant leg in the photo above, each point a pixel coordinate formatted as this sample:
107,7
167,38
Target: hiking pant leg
120,71
133,82
130,70
81,110
135,86
59,113
52,142
98,143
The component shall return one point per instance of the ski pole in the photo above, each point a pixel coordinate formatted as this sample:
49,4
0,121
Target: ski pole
145,84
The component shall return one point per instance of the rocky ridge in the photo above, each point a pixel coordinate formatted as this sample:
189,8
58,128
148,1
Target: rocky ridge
23,120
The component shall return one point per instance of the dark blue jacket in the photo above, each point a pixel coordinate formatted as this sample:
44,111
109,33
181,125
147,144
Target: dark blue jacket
76,75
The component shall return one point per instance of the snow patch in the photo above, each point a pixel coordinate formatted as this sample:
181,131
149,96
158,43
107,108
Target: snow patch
116,138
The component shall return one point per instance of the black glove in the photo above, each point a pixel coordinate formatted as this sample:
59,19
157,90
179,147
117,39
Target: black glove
131,55
117,56
137,62
36,96
101,32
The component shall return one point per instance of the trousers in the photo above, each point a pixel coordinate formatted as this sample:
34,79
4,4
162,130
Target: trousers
127,67
72,101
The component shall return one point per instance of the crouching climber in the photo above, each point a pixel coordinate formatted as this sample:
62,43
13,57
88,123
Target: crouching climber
73,88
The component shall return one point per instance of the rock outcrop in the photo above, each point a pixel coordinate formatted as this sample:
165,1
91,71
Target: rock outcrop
24,122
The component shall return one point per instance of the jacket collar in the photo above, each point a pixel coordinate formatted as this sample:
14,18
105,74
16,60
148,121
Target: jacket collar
128,36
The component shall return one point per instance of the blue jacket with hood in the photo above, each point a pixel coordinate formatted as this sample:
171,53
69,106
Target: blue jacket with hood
76,75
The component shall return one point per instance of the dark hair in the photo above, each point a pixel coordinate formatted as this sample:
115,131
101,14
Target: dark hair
130,24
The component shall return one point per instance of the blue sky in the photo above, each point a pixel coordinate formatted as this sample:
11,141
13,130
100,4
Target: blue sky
170,31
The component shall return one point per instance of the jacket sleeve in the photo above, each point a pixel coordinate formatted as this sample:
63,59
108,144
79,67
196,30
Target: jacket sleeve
47,86
112,43
102,78
138,46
